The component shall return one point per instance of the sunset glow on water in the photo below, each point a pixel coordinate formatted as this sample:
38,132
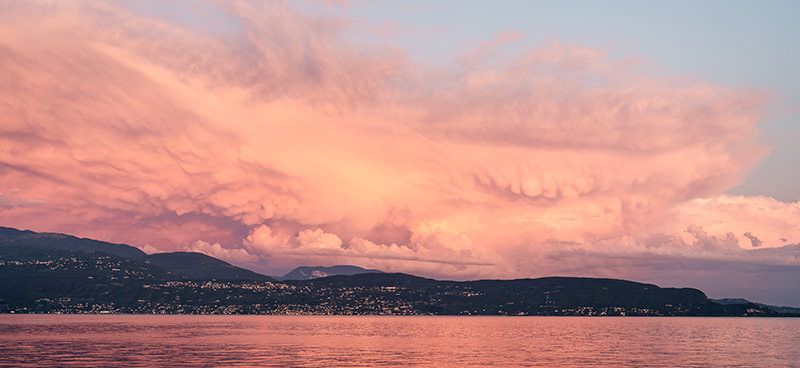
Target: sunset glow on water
318,341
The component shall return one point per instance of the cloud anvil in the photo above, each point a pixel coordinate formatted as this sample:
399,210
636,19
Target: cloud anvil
282,141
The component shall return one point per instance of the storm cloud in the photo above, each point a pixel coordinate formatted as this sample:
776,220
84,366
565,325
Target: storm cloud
281,142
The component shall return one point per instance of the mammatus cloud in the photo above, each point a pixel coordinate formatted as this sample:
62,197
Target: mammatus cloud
280,143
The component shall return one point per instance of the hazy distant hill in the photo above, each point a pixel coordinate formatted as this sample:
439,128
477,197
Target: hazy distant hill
308,272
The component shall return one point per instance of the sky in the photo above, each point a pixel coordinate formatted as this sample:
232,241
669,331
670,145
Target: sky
651,141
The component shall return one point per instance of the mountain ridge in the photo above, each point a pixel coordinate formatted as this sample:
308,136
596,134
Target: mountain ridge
56,273
191,265
314,272
11,236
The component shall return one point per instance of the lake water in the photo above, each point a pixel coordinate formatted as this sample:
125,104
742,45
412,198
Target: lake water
301,341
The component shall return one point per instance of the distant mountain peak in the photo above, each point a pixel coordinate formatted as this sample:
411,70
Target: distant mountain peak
315,272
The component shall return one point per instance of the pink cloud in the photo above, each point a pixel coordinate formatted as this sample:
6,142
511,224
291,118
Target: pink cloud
238,255
284,144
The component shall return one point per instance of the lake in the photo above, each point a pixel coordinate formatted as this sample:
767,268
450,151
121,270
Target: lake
330,341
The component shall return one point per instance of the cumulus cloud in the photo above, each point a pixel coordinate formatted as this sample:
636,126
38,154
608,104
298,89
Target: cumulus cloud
755,221
217,250
425,252
279,142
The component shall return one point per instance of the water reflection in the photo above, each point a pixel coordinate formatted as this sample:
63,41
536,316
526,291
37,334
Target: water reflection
94,341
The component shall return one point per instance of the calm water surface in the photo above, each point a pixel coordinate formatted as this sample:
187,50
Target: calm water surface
288,341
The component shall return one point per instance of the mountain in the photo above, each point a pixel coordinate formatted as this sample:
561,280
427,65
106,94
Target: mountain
746,303
731,301
198,266
55,273
34,276
26,238
308,273
542,296
177,265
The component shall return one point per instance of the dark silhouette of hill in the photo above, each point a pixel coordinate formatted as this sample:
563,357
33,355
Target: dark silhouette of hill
13,237
198,266
187,265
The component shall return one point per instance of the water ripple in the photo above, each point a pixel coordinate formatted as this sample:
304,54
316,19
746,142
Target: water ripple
295,341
